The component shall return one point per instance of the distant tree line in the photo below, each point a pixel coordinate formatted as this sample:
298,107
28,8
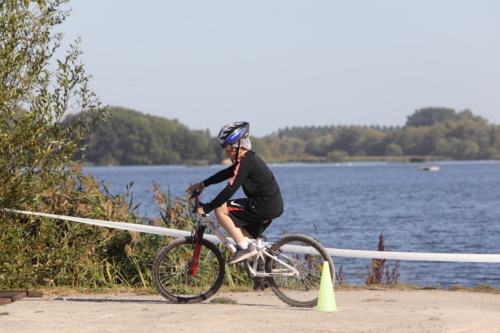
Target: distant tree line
129,137
428,132
133,138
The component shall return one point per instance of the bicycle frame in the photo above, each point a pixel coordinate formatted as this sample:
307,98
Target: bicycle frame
212,223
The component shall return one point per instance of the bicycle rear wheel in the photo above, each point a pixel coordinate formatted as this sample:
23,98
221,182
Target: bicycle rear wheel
171,268
302,290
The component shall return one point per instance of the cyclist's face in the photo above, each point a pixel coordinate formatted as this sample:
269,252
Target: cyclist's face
231,152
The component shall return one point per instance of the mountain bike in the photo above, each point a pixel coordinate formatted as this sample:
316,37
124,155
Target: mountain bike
192,269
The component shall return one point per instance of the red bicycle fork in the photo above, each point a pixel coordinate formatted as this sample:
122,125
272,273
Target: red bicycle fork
193,265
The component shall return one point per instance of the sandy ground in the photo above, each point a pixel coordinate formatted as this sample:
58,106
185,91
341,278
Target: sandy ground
360,311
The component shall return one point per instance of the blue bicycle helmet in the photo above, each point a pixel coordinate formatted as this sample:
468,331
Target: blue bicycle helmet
233,133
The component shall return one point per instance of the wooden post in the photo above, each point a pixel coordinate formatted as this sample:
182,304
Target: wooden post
7,297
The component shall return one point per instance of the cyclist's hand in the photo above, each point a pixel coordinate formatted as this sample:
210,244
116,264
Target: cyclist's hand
193,187
201,212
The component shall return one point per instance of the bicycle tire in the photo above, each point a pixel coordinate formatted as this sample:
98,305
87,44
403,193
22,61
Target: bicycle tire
301,291
170,271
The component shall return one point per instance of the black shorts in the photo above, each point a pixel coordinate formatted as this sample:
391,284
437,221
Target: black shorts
245,215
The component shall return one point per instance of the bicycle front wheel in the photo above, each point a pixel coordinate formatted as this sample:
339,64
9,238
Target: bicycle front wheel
174,278
301,290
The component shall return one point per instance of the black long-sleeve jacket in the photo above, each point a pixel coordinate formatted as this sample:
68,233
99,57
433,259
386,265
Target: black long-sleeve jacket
258,184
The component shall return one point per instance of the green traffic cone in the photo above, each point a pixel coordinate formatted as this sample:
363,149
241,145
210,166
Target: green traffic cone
326,299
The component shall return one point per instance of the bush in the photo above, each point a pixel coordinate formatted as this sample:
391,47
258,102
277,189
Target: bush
42,251
39,164
393,149
336,156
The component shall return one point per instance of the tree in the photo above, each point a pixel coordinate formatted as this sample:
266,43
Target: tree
394,149
40,157
35,151
429,116
261,147
429,131
358,141
130,137
336,156
320,146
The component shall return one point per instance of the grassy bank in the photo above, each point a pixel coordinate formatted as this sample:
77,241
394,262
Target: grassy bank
353,159
62,290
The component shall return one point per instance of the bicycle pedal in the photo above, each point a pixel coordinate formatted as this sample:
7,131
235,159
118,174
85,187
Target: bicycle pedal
260,285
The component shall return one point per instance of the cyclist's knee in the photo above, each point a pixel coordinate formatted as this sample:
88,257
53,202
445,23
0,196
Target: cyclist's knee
221,210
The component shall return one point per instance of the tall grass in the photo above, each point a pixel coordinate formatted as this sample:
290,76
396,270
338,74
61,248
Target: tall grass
38,251
41,251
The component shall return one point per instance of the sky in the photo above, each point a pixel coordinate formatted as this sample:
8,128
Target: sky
290,63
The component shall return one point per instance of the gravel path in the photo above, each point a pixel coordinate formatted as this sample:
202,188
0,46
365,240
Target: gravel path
360,311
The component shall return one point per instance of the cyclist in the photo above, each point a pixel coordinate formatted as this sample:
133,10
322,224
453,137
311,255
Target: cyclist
242,217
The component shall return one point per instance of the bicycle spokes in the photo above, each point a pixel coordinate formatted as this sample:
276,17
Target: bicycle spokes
302,287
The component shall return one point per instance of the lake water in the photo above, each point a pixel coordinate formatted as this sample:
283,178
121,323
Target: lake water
347,206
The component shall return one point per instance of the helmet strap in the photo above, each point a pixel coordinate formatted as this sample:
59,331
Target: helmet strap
237,152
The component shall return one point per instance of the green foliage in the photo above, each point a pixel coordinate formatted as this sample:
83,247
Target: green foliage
129,137
458,287
429,132
39,164
174,213
41,251
393,150
261,147
336,156
37,153
430,116
223,300
307,133
484,287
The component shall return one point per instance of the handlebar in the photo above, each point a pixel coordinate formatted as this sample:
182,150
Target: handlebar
195,195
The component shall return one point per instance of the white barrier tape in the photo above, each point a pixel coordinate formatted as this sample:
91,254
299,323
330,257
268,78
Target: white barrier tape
417,256
456,257
150,229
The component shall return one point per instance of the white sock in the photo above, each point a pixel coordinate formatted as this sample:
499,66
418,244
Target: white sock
243,245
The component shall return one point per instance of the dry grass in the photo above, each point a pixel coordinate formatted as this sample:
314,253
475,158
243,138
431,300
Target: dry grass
62,291
223,300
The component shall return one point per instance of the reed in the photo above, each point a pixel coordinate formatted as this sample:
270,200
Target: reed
38,251
378,268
